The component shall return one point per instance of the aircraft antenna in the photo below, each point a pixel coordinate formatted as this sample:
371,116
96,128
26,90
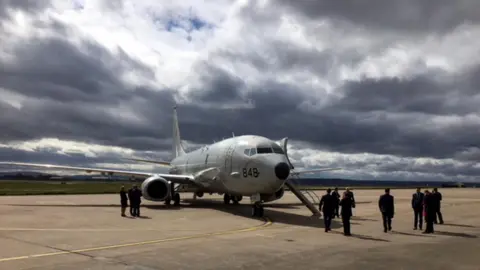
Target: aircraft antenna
233,135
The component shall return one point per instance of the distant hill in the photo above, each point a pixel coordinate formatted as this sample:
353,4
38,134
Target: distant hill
336,182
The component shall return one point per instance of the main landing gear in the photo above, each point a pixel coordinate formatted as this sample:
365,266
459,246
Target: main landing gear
235,199
176,200
257,210
175,196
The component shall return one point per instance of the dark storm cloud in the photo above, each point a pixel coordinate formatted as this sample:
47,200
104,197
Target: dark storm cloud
362,121
406,15
217,85
70,90
454,95
57,69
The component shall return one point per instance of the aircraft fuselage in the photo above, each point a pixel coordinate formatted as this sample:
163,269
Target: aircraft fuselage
246,165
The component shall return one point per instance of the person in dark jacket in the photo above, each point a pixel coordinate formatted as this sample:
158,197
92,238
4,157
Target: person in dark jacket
417,206
131,197
438,198
327,206
135,201
123,200
336,195
386,205
347,204
430,211
348,191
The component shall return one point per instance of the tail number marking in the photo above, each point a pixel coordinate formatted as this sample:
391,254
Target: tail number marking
250,172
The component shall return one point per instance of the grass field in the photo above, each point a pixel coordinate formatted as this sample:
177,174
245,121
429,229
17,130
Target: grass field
58,188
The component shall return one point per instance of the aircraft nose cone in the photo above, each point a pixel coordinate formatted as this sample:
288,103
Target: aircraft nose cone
282,170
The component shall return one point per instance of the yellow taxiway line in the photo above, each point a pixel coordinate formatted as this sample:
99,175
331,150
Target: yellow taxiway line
267,223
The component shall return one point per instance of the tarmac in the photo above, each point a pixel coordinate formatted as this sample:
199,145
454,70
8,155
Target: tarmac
87,232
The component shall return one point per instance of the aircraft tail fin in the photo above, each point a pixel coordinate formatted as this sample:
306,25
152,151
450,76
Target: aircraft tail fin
177,147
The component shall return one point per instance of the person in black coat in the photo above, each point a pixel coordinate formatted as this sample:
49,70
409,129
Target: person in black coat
135,200
347,204
386,205
438,198
336,195
123,200
131,197
430,211
417,206
327,205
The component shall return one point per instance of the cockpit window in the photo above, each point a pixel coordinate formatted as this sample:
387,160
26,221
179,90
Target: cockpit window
253,151
277,149
247,152
264,150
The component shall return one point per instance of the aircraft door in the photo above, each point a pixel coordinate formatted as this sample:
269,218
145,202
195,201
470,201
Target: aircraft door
228,159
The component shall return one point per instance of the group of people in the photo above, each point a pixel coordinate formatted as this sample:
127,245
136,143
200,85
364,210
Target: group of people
425,205
330,204
134,195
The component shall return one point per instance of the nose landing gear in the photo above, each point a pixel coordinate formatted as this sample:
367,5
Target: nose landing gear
257,207
257,210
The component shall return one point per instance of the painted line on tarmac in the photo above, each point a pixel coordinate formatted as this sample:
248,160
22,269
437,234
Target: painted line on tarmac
267,223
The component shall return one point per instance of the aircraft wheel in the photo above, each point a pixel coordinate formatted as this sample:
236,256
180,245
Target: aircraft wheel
239,198
260,211
176,199
226,199
257,210
168,201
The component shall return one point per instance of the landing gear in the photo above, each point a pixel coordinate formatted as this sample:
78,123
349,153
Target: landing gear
257,210
174,195
235,199
257,207
226,198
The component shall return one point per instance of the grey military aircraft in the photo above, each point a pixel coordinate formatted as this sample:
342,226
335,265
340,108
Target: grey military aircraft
239,166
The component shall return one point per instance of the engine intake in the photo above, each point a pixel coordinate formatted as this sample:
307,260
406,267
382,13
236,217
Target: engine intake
155,188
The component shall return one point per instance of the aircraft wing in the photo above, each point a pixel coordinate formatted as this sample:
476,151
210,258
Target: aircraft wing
179,179
297,172
162,163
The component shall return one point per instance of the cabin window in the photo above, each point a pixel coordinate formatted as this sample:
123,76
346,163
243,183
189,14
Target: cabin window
277,149
264,150
247,152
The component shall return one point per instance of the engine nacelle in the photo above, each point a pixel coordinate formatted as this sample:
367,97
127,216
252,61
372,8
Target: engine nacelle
273,197
156,189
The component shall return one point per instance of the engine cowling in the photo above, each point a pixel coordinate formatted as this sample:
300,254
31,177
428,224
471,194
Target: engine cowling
155,188
273,197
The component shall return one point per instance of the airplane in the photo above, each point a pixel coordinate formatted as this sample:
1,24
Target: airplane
246,165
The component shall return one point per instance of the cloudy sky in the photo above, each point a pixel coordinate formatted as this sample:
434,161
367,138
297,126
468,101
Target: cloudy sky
384,89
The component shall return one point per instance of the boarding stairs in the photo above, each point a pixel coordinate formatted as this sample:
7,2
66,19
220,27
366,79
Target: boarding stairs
309,198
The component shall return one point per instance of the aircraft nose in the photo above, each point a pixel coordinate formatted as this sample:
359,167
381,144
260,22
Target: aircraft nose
282,170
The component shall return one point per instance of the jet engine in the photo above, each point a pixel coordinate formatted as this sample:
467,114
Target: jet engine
155,188
273,197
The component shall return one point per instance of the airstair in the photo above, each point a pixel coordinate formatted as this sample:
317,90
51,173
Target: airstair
309,198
